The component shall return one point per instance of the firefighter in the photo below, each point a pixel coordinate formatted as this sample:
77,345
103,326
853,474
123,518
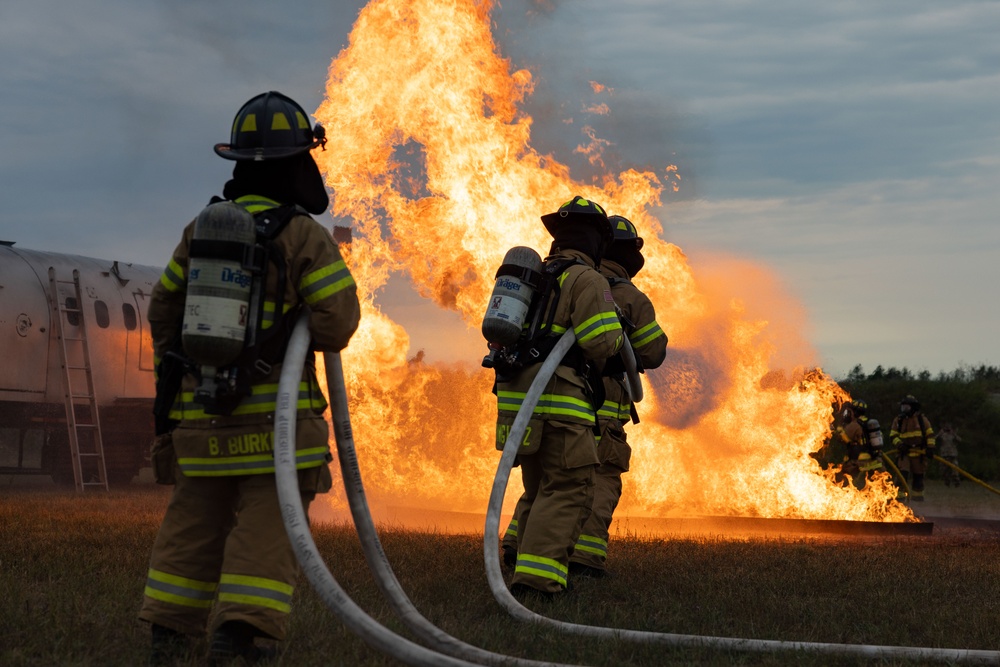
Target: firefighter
622,261
912,435
949,452
851,433
559,454
862,438
222,548
870,458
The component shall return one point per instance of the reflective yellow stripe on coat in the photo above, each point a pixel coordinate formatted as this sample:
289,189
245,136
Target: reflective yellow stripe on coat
263,398
258,464
548,404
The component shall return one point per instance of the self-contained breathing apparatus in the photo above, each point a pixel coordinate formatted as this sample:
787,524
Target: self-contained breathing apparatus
222,341
534,288
522,273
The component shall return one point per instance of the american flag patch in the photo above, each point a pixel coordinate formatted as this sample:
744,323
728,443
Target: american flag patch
608,297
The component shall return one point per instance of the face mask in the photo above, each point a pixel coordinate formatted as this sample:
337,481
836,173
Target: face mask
904,409
845,415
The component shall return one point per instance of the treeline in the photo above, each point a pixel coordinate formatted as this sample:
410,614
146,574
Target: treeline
968,398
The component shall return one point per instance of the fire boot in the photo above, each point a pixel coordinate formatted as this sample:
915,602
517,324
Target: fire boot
232,641
588,571
167,646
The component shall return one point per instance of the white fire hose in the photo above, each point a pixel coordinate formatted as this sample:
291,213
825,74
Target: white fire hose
491,550
297,524
298,531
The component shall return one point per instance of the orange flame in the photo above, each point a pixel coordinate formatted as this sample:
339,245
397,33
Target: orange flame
431,158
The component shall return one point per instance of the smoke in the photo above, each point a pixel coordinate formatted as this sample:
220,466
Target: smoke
588,112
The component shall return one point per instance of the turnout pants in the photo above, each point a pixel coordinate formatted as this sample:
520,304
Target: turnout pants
223,545
614,452
558,492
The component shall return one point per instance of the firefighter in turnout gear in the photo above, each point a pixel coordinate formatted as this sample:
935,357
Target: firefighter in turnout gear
913,437
622,261
559,453
864,449
222,549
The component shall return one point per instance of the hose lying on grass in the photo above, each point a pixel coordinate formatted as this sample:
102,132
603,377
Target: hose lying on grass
899,475
491,550
297,524
886,458
967,475
426,631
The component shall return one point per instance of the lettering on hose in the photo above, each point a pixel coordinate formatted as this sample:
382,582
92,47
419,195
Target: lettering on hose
248,443
503,432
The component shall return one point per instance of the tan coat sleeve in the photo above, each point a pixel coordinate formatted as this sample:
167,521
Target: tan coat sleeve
320,279
592,313
166,306
647,339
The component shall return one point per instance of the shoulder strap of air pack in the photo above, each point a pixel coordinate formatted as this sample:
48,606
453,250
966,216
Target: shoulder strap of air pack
269,344
540,341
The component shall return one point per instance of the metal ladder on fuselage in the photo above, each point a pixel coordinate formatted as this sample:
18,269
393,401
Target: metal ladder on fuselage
75,356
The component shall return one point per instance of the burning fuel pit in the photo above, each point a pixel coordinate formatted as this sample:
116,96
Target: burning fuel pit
740,525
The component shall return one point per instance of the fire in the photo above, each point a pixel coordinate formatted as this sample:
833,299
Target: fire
430,157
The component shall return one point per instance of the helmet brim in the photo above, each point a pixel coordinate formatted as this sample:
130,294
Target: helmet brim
260,154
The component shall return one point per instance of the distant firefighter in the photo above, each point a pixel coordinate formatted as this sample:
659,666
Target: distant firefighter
558,454
862,438
948,440
220,318
621,262
913,437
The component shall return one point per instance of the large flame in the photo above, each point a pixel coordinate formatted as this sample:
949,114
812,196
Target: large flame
430,157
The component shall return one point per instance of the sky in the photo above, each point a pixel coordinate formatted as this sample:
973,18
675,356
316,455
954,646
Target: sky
852,148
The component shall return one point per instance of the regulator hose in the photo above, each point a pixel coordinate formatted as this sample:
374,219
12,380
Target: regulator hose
297,524
491,550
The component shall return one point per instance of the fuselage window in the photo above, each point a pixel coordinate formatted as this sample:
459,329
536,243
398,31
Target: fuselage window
101,314
128,312
73,316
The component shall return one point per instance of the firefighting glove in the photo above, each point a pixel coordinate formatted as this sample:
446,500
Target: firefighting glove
930,453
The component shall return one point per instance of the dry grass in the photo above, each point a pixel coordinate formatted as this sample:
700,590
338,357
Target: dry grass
72,571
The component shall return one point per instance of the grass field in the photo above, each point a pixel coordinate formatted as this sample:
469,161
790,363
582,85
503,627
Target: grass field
72,569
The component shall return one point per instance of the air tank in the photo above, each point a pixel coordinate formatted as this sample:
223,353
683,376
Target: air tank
511,298
874,430
217,306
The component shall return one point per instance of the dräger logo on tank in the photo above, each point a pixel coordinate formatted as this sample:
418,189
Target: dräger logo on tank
238,277
512,285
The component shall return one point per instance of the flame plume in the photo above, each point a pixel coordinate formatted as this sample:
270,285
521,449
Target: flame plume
430,157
